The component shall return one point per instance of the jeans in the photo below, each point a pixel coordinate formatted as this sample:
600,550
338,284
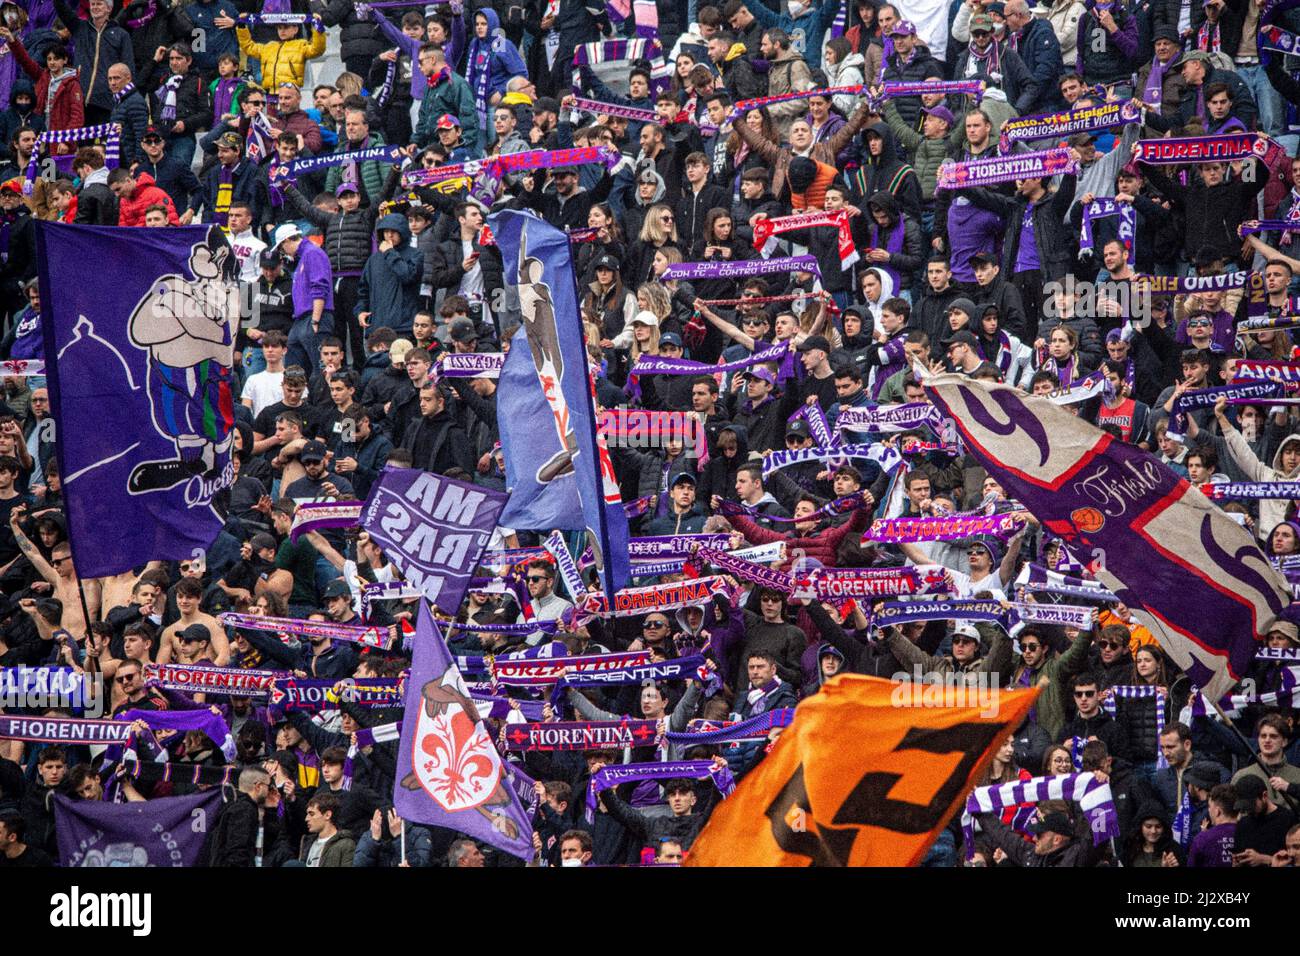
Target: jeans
1272,111
304,343
182,149
254,360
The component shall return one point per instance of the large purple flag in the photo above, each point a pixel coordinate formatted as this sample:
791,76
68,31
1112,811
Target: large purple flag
557,466
138,365
169,831
432,528
449,773
1196,578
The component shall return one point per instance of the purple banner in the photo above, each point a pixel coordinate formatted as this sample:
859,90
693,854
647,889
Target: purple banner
582,735
741,268
659,365
432,529
449,773
1068,122
1202,149
165,832
139,372
1006,169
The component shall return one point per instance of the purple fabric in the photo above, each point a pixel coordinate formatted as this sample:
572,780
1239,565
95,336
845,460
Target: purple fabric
742,267
432,529
1200,149
658,365
165,832
904,612
312,279
449,773
213,725
1027,248
582,735
1005,169
617,775
971,229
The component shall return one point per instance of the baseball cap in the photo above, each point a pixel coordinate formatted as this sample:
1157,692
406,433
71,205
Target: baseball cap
903,28
670,338
683,478
1054,822
941,112
564,171
1191,56
151,132
761,372
1249,789
269,259
981,21
346,188
447,121
966,629
462,330
229,141
1079,140
312,451
961,337
989,544
287,231
961,304
1199,775
12,186
336,589
814,342
607,262
195,632
397,351
798,427
646,318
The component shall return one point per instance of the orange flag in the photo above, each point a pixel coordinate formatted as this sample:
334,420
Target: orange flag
867,774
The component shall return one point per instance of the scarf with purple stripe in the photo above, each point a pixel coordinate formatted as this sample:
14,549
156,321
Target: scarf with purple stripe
564,564
1201,149
366,154
1068,122
1094,798
895,530
470,364
614,109
674,545
198,678
889,418
1101,208
111,132
705,732
316,694
660,597
840,583
183,721
1138,692
727,269
354,633
315,515
661,365
817,424
886,456
1040,580
384,591
616,775
64,730
1270,225
583,735
1006,169
1066,615
510,556
223,96
677,668
1207,397
612,51
368,737
747,570
1252,490
540,671
309,21
965,609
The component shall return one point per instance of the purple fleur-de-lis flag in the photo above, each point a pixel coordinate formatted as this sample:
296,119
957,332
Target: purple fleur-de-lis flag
1190,573
139,372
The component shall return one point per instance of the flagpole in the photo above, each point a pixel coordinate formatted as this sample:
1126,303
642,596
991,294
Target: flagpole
401,837
1291,801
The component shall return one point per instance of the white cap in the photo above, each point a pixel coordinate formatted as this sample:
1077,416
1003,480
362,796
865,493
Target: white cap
288,231
966,629
646,318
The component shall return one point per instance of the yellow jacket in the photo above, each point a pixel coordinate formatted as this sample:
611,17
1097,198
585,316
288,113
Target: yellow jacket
282,62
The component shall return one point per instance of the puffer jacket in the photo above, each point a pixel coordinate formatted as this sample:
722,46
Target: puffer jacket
927,154
282,62
1272,512
360,36
347,234
130,209
822,544
1051,675
921,66
1137,718
390,283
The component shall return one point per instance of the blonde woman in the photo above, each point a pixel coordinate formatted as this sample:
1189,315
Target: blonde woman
659,229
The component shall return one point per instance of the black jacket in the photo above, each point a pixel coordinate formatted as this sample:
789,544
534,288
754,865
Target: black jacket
1213,213
132,112
347,234
448,271
193,104
234,835
438,444
693,207
1055,243
96,205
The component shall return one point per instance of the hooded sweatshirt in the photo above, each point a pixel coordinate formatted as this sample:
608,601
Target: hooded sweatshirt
390,282
1271,511
885,172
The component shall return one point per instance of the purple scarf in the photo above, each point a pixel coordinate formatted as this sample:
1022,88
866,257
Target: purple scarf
616,775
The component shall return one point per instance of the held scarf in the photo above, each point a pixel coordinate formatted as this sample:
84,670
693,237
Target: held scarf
370,636
1207,397
1093,796
766,231
727,269
309,21
530,627
112,133
1183,285
610,51
613,776
704,732
315,515
565,565
674,545
1263,654
1101,208
1137,692
659,365
967,609
1068,122
469,365
838,583
645,15
817,424
499,708
890,418
22,368
1066,615
519,671
896,530
386,154
1252,490
1270,225
1202,149
311,694
614,109
642,428
583,735
1250,370
660,597
64,730
1006,169
746,570
509,557
368,737
887,457
183,721
1277,40
678,668
1039,580
384,591
199,678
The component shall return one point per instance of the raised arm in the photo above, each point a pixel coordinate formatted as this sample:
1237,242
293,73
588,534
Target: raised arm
25,545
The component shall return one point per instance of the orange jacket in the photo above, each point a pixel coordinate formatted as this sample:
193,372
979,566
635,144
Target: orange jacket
1138,634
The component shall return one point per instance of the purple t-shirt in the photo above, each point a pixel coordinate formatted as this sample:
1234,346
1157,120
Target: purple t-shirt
1213,847
1027,250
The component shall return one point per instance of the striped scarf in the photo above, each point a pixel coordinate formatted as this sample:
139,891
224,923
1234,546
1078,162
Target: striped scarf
368,737
1094,798
111,132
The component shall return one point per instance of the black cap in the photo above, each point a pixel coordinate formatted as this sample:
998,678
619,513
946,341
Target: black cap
983,259
1202,776
798,427
149,131
1166,32
607,262
336,589
546,104
195,632
1055,822
269,259
963,337
683,478
670,338
814,342
312,451
462,330
1249,789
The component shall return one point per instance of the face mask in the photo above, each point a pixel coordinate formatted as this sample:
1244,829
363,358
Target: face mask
999,29
573,862
797,9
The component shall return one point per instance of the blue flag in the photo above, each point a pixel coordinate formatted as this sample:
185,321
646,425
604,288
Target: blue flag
139,372
557,466
168,831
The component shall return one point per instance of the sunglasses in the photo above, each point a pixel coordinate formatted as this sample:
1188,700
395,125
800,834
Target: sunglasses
980,33
537,578
1085,694
1109,645
655,624
255,102
152,140
1030,647
126,678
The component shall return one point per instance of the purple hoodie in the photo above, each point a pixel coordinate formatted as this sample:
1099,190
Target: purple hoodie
970,230
312,279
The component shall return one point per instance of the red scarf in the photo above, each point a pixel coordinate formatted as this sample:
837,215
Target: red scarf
766,231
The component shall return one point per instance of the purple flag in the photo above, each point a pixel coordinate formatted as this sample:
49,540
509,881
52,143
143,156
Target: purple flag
449,773
557,466
140,384
169,831
1193,576
432,528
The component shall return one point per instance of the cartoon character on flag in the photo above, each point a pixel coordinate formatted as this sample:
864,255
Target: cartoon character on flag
453,759
187,325
538,310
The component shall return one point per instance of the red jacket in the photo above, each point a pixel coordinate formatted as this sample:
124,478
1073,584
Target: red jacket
68,112
131,208
823,545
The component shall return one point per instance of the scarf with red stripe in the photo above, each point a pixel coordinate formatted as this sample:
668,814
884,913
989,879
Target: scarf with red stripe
766,231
